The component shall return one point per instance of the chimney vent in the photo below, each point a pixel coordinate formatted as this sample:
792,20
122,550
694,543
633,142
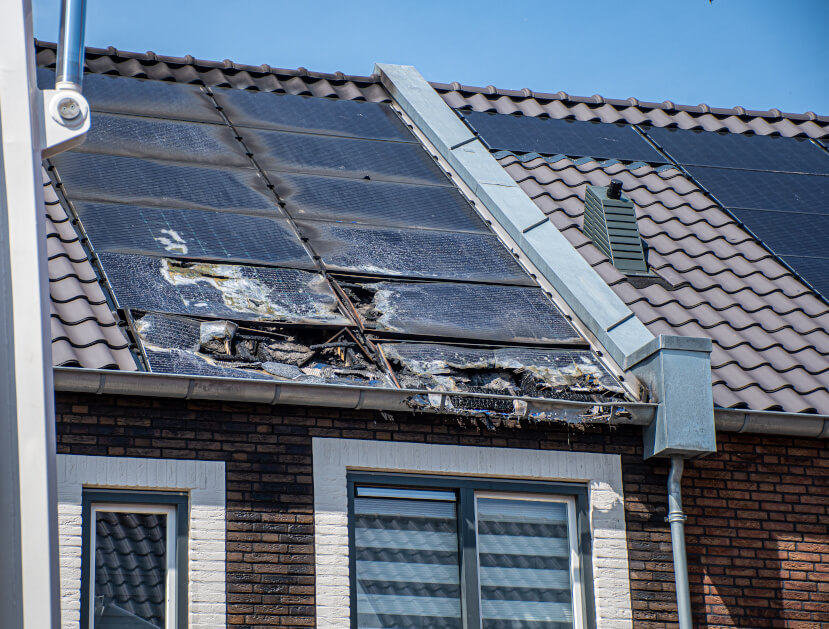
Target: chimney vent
610,222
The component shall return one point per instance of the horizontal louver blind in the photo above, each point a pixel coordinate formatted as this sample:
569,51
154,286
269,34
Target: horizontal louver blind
524,558
407,562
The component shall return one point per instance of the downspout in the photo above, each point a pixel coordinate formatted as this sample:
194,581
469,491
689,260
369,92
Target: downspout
676,518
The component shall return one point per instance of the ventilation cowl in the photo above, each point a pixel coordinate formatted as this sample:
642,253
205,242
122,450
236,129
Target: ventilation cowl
611,224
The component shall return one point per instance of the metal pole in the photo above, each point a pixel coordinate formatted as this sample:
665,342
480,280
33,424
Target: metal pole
677,520
70,45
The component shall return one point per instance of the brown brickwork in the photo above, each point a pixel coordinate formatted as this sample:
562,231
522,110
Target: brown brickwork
758,527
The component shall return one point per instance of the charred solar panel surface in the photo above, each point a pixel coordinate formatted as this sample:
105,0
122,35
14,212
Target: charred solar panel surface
329,155
477,311
528,134
413,253
739,150
289,112
192,234
220,290
153,138
143,97
376,202
761,190
813,270
98,177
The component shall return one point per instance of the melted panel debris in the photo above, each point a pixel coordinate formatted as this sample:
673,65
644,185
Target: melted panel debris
229,291
416,253
192,234
228,349
515,371
510,314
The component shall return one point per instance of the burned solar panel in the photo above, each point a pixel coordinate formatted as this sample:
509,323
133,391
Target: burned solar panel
97,177
347,157
224,348
154,138
192,234
220,290
513,371
311,114
414,253
510,314
376,202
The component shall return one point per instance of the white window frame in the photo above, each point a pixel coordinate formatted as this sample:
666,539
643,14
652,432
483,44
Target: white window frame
601,473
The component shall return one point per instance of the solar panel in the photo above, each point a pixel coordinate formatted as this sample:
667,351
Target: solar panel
813,270
511,314
754,189
416,253
225,291
289,112
738,150
138,181
153,138
192,234
348,157
376,202
550,136
788,233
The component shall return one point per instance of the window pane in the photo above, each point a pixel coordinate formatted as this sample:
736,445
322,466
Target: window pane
524,557
130,570
407,564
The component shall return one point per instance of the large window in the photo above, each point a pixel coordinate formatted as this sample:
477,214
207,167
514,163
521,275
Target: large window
448,553
134,560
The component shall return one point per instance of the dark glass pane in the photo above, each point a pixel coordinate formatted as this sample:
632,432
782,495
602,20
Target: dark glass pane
192,234
738,150
376,202
288,112
524,558
789,233
406,556
153,138
549,136
761,190
413,253
813,270
130,570
348,157
147,182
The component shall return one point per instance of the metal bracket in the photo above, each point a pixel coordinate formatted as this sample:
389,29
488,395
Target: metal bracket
65,120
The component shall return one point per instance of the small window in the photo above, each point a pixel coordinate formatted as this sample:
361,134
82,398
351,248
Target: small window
465,554
134,560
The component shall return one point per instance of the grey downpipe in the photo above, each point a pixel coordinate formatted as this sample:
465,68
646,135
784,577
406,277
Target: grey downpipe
71,45
677,520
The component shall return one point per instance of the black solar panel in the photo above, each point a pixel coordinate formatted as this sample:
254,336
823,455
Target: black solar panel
738,150
789,233
328,155
224,291
575,138
376,202
289,112
153,138
192,234
765,190
138,181
813,270
511,314
416,253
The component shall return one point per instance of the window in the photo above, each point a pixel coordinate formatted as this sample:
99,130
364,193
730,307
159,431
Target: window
134,559
451,553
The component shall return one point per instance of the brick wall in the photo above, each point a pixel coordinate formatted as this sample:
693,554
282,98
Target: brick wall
758,527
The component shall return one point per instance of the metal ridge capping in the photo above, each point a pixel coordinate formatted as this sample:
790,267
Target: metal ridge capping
676,370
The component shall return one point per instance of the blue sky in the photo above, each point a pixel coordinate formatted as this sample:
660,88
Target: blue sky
755,53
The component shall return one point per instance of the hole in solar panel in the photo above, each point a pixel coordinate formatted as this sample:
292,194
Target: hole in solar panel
221,290
289,112
146,182
376,202
153,138
413,253
550,136
739,150
348,157
192,234
514,371
229,349
476,311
